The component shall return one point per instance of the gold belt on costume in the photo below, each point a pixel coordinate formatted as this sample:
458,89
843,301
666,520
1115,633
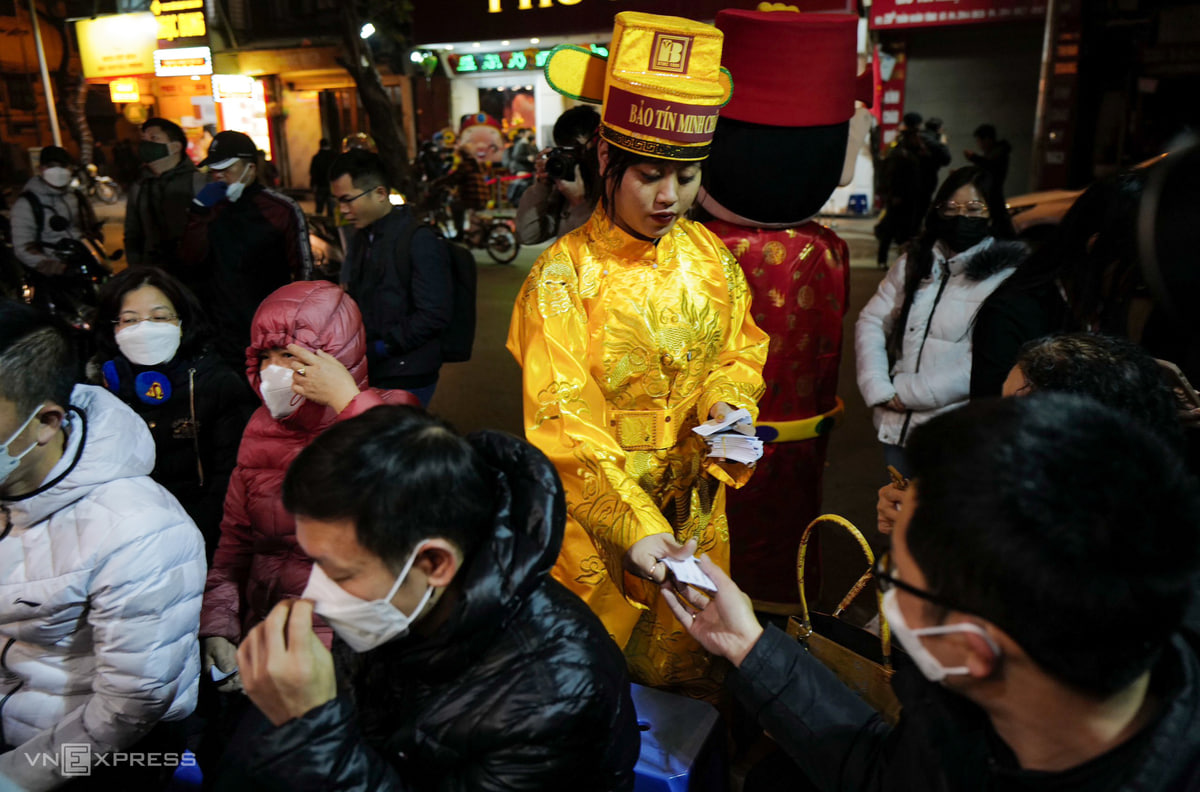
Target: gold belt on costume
650,430
804,429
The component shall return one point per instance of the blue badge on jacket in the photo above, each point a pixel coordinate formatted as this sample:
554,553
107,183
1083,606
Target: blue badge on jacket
152,387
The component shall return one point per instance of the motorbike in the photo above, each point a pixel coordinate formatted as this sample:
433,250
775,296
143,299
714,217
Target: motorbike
496,235
97,187
73,295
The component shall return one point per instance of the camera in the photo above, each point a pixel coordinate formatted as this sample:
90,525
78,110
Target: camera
561,162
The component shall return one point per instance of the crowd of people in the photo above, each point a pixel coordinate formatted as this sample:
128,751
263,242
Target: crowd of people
233,535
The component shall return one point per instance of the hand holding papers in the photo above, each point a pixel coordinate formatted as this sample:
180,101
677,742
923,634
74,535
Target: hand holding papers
732,437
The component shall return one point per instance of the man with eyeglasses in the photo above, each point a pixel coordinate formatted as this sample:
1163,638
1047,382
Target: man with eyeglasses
398,271
1049,649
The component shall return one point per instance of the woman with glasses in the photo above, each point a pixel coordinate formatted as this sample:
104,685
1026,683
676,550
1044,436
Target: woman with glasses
151,334
913,339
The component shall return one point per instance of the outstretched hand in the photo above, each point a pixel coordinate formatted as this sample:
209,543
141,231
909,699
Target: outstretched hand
644,558
724,623
321,378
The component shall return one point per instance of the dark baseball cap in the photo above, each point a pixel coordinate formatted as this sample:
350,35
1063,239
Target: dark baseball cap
227,148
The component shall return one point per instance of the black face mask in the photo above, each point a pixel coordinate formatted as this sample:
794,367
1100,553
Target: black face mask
961,233
149,151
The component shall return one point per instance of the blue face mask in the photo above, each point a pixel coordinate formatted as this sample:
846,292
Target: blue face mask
8,462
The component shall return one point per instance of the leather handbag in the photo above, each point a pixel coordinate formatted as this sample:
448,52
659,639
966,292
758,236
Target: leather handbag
862,661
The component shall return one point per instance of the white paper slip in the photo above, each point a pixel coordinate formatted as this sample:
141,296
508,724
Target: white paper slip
736,447
714,425
689,571
218,675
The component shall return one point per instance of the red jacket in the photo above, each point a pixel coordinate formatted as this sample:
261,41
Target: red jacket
258,561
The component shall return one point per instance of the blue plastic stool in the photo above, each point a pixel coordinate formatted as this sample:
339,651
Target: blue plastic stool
857,204
682,745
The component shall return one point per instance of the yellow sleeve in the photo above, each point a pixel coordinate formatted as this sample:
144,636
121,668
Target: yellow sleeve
737,378
565,414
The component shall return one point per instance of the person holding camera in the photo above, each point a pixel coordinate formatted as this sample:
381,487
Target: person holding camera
565,188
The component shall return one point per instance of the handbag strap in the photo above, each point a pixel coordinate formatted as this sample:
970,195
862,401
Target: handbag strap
885,632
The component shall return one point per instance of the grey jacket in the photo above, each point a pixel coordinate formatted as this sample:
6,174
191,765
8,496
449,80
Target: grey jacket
156,214
30,246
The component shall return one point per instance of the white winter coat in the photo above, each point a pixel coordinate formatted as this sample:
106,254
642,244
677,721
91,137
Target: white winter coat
101,578
944,379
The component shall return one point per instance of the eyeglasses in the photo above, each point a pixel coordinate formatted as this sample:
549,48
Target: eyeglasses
353,198
130,319
969,209
887,579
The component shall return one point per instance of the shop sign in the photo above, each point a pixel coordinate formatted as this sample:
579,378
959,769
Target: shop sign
182,62
486,62
226,87
902,14
124,90
490,20
179,19
120,45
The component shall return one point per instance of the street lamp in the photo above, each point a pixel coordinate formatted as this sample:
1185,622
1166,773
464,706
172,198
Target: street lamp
367,31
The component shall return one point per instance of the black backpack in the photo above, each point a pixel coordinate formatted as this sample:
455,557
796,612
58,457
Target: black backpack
459,335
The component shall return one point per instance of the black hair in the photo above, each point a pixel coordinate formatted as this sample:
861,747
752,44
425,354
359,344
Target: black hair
574,124
365,169
919,261
173,131
1063,523
985,132
193,321
912,120
38,362
402,476
620,161
55,155
934,124
1113,371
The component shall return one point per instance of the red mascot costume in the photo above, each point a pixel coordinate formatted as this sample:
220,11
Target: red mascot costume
783,143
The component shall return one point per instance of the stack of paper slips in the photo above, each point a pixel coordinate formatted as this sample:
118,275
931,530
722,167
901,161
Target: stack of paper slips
732,437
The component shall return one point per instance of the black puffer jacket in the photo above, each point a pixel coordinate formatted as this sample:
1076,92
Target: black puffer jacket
521,690
195,442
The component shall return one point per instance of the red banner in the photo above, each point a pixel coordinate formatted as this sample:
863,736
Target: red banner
902,14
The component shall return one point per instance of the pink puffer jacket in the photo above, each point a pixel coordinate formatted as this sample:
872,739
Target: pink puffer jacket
258,561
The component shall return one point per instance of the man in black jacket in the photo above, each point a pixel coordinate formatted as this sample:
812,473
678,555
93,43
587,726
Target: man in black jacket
398,271
462,664
1038,576
156,211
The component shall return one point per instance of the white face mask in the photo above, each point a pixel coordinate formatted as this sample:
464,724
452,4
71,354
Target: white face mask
8,462
910,640
150,343
362,624
234,191
277,393
57,177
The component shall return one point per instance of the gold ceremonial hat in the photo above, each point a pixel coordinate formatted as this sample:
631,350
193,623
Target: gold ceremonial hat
662,85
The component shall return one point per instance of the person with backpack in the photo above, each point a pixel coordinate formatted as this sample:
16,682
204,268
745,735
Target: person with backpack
49,213
401,274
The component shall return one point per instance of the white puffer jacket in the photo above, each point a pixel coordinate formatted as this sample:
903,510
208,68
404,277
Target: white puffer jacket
944,379
101,578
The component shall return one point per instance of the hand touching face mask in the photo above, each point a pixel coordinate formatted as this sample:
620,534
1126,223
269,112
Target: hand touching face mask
277,393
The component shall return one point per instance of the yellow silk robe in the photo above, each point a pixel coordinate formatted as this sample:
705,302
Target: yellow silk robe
625,346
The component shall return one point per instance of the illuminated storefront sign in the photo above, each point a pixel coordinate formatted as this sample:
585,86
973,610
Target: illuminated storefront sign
179,19
227,87
182,62
901,14
120,45
468,63
124,90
